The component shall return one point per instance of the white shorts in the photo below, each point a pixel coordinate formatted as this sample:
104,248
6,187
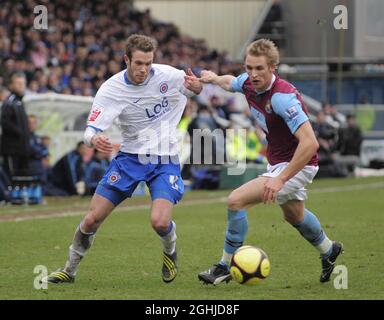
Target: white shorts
294,188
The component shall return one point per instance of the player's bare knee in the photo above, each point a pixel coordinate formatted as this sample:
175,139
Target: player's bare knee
90,223
159,224
288,218
293,212
293,218
234,202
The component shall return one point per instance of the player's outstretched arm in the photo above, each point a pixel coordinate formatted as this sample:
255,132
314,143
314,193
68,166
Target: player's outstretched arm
224,81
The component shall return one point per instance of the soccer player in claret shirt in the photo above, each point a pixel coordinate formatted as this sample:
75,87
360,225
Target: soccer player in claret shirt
292,157
148,100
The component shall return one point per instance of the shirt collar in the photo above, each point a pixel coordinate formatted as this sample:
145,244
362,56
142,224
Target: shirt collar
129,82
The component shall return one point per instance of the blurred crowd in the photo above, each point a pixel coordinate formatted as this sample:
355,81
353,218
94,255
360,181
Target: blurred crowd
340,140
339,136
85,43
82,47
25,172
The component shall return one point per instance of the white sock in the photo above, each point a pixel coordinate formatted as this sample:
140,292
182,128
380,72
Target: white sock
226,258
80,244
325,247
169,240
72,264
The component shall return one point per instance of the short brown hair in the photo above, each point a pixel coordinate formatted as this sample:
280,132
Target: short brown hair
264,47
14,75
139,42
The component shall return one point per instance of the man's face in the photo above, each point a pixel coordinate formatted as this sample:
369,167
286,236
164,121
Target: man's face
260,73
18,85
139,66
32,122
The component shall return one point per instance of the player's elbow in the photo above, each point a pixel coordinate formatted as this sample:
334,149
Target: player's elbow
313,146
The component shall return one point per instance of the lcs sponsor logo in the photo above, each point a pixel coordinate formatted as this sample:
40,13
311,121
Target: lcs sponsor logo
158,109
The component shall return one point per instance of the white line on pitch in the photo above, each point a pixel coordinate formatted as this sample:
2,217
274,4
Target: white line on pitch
355,187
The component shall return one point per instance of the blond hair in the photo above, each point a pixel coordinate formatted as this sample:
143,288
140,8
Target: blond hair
264,47
139,42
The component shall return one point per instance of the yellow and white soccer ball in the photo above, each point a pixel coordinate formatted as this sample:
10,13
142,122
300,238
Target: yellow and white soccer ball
249,265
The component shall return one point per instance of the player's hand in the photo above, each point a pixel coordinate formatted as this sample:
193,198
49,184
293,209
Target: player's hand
101,142
192,83
207,76
271,187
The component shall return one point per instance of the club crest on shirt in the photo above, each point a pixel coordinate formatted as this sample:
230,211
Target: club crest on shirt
94,114
292,112
113,177
163,87
268,107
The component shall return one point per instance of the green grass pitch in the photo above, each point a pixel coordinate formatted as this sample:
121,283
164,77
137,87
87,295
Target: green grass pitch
125,260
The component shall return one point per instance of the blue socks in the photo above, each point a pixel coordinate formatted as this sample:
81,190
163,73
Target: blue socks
311,230
237,227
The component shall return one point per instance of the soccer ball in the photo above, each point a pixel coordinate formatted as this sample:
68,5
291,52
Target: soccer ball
249,265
